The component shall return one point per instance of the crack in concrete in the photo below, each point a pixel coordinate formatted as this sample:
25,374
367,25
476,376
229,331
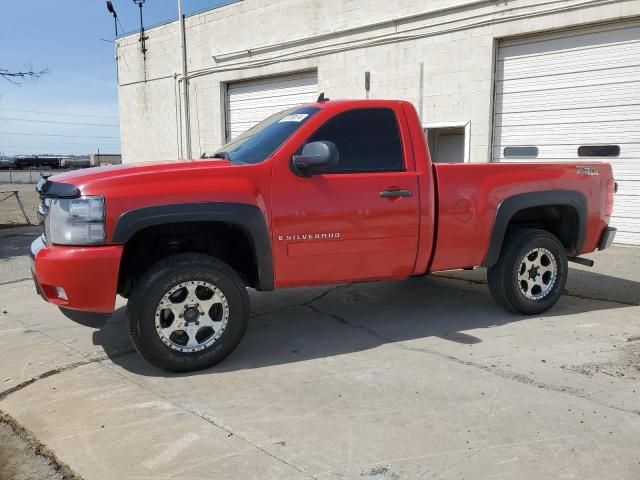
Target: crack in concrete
50,373
468,451
455,464
206,418
302,304
517,377
213,422
15,281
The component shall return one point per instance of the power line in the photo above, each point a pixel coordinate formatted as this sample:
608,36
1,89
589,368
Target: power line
58,148
79,141
56,144
88,146
53,141
121,27
15,153
14,119
23,140
58,113
54,135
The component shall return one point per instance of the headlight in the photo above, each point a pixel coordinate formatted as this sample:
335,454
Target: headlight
75,221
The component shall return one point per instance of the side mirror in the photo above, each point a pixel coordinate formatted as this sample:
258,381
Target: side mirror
315,155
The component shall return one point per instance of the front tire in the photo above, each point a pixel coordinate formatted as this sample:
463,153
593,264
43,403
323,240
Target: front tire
188,312
531,272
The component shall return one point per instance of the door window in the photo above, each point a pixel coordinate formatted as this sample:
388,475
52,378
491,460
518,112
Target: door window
368,140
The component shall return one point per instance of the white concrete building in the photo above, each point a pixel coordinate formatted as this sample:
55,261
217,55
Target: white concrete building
510,80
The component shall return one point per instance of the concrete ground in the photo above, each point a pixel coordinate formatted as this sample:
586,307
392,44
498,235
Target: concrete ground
424,378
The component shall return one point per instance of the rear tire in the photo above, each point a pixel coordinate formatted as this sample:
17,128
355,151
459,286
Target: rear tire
187,312
531,272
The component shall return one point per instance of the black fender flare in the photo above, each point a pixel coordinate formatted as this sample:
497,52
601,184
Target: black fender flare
248,218
512,205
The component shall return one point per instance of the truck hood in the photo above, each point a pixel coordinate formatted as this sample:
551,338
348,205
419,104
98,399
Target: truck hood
137,185
113,174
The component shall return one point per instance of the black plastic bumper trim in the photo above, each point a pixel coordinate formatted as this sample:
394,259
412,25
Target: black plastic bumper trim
37,245
607,237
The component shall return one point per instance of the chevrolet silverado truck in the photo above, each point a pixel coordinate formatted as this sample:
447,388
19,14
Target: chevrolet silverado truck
329,192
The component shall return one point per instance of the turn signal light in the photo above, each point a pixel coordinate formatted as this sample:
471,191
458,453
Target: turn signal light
61,294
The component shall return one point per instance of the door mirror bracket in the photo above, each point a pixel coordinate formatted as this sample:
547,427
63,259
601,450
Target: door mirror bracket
314,155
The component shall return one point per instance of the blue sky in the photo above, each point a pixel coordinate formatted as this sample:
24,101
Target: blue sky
65,36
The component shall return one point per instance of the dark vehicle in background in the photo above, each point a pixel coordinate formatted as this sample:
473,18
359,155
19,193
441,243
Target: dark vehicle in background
71,162
27,161
7,162
75,162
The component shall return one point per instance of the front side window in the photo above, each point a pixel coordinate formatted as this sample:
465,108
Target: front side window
368,140
260,142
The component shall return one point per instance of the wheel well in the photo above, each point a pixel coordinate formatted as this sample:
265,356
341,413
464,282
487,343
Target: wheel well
561,220
222,240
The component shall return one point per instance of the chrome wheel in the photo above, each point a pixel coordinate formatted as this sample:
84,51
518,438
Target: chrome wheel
537,274
192,316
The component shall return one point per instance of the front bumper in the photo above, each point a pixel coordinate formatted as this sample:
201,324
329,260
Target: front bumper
79,278
607,238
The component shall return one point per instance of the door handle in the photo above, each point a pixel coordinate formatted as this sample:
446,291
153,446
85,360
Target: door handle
395,193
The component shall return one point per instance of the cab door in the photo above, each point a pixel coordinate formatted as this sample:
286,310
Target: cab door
357,220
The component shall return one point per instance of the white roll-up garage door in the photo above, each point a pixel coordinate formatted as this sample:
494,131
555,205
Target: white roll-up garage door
559,92
250,102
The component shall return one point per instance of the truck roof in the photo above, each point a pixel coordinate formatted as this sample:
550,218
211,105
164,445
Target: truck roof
356,103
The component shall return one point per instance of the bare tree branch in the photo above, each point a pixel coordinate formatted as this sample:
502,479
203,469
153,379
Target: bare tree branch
20,77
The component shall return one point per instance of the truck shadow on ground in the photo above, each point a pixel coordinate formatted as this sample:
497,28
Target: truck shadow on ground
581,283
302,324
15,241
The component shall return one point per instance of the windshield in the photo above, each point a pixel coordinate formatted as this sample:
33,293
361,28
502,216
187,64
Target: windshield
258,143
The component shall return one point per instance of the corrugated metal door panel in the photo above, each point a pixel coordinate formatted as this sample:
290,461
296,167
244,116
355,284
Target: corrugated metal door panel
560,91
250,102
450,147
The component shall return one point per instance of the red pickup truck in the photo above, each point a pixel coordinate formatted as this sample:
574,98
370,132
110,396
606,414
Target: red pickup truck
330,192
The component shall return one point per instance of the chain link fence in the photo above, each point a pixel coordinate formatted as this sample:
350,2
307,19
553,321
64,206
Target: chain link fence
18,204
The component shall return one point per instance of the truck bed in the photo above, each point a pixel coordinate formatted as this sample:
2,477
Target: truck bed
468,197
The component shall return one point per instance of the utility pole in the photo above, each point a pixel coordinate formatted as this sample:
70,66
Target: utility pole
185,82
142,36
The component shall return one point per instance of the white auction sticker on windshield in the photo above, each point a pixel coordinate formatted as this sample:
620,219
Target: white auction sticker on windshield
294,117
